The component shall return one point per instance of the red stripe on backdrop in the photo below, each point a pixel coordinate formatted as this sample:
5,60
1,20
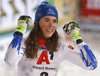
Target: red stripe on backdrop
90,7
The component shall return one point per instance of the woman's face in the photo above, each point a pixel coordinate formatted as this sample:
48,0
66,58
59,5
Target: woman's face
48,25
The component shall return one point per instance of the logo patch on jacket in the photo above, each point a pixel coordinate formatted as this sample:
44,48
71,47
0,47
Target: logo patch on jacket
70,47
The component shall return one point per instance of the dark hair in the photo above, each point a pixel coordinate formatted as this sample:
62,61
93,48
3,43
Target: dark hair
32,45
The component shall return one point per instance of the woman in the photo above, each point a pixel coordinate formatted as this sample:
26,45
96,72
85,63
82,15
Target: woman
42,51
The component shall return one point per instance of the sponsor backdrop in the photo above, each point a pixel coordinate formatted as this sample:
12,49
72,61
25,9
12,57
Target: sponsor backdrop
85,12
90,21
90,11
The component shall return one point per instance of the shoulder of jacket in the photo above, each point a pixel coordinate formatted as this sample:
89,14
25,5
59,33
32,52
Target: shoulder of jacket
23,42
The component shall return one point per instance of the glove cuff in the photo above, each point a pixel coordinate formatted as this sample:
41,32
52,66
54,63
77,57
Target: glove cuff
18,33
20,29
75,37
79,41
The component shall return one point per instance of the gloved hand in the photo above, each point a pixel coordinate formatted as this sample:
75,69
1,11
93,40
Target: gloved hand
23,22
72,30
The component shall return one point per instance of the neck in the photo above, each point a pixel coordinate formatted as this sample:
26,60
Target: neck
42,42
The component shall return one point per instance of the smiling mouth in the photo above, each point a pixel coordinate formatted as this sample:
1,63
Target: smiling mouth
49,30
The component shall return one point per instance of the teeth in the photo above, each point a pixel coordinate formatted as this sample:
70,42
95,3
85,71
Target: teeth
49,30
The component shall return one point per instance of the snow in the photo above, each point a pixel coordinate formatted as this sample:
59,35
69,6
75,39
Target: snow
65,69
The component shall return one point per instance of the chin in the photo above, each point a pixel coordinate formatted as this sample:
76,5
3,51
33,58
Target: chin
48,36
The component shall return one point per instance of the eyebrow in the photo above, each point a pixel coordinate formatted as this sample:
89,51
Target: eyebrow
48,18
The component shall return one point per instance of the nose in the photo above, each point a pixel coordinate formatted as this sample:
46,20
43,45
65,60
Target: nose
50,24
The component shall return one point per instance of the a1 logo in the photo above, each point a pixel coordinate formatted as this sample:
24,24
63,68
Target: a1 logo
44,57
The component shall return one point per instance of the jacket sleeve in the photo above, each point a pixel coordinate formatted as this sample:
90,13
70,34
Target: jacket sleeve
14,51
83,58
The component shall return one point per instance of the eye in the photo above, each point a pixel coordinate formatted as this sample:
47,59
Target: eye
55,21
46,20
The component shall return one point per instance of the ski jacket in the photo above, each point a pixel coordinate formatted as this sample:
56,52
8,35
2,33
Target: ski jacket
47,63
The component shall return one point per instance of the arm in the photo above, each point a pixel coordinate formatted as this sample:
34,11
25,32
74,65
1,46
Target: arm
85,58
15,50
14,53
